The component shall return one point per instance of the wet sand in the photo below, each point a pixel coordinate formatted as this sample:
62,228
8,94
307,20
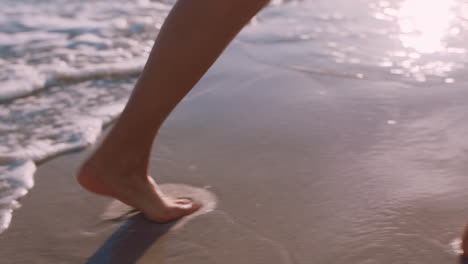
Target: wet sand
306,168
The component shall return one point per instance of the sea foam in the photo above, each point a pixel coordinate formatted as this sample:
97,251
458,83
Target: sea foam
66,71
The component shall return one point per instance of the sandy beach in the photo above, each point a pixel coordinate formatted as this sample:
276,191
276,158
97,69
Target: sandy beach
304,168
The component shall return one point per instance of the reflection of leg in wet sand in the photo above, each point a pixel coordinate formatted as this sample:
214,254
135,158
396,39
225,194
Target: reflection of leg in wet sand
193,36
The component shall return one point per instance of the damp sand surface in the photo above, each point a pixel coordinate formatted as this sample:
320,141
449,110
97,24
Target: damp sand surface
298,175
337,137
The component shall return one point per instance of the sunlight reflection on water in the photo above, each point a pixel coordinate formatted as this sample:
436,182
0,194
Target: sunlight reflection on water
429,35
425,24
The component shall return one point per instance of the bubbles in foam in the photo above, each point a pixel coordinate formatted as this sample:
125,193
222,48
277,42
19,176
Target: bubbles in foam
66,70
74,42
82,60
15,181
57,120
18,80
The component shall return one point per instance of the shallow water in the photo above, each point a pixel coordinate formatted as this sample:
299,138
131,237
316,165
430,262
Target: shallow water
389,78
325,167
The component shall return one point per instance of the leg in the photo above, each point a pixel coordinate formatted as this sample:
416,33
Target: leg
464,244
191,39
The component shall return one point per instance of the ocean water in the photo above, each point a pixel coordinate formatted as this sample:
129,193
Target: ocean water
67,68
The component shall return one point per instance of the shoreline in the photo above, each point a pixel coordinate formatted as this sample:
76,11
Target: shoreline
304,168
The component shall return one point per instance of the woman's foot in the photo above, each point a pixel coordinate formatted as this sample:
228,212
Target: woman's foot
133,188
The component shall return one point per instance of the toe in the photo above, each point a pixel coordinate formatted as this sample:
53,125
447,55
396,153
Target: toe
183,200
187,206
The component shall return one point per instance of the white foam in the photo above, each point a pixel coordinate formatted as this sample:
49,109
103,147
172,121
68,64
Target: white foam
108,113
56,121
66,70
81,133
16,179
19,80
5,219
21,38
127,68
53,41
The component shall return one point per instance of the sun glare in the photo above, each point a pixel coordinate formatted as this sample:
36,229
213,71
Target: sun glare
425,23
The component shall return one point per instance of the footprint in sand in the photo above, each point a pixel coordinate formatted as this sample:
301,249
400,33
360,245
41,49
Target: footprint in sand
118,211
208,236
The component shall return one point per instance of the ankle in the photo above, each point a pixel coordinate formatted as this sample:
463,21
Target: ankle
105,163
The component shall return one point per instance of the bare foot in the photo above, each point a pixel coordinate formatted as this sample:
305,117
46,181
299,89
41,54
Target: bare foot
133,189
